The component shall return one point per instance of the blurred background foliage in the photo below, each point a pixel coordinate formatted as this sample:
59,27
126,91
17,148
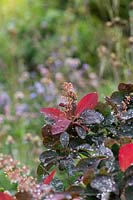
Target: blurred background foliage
44,43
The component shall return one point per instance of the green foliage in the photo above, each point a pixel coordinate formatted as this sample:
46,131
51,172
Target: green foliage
88,40
110,8
29,28
5,183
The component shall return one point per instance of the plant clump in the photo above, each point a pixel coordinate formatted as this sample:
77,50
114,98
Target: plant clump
86,145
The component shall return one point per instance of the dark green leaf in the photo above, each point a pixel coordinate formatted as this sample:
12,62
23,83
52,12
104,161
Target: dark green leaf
127,115
76,190
57,184
91,117
91,192
48,157
103,108
40,169
81,132
115,149
126,129
114,197
104,151
64,139
85,147
75,142
67,164
104,183
129,172
117,97
85,163
128,193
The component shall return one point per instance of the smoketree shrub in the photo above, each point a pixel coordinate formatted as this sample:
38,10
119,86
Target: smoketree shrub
88,146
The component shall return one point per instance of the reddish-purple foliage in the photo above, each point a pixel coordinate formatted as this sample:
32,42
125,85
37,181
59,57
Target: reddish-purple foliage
126,156
64,118
49,178
53,113
89,101
5,196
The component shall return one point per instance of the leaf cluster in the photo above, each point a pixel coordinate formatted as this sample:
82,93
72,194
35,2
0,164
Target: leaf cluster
85,154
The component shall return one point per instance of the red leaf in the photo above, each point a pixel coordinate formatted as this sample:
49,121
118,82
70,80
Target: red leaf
126,156
53,113
60,126
49,178
5,196
89,101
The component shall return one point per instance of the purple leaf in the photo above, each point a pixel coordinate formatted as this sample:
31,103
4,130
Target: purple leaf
60,126
89,101
53,113
125,156
49,178
5,196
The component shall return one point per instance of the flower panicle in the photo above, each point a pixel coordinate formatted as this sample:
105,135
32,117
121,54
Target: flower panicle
69,97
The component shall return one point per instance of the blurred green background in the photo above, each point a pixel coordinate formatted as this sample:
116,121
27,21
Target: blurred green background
44,43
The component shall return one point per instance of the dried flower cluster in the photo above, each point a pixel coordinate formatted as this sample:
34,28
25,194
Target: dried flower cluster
121,106
70,99
27,185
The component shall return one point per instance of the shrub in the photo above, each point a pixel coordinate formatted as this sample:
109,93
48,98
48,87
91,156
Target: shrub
83,141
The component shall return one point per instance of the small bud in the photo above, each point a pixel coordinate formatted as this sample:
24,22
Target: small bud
113,56
102,51
36,140
131,41
109,24
28,137
10,140
19,95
